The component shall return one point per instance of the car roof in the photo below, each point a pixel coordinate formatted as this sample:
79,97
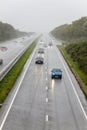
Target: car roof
56,69
40,48
39,58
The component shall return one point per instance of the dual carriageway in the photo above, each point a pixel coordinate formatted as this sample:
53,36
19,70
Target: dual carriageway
38,102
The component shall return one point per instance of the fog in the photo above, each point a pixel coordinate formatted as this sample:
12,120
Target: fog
41,15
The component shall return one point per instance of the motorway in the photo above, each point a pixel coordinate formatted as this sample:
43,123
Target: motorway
14,47
38,102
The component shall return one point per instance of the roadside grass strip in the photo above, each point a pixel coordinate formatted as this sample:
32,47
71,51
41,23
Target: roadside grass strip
80,76
9,80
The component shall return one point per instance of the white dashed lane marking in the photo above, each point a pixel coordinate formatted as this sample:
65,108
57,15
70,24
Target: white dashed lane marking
46,88
46,100
46,118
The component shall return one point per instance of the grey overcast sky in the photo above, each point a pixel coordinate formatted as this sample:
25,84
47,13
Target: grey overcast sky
41,15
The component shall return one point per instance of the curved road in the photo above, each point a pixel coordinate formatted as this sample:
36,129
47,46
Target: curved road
14,47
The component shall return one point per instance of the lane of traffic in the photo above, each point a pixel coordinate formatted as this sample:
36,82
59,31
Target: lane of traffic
66,103
43,103
14,47
29,104
13,57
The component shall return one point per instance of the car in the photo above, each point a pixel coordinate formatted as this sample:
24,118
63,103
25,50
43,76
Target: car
39,60
41,41
1,61
56,73
41,50
50,44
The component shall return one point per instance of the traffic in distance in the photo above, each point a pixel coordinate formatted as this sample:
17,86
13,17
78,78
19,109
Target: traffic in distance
10,52
46,95
56,73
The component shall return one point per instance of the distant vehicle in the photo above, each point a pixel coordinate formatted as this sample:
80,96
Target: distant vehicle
40,50
39,60
41,41
56,73
1,61
45,45
3,48
50,44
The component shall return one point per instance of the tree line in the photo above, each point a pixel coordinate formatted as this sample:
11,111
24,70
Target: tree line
76,30
75,35
78,53
8,32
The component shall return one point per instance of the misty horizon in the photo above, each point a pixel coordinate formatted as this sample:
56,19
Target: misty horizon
41,15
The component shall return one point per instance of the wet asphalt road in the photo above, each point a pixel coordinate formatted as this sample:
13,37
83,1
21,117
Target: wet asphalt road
43,103
14,47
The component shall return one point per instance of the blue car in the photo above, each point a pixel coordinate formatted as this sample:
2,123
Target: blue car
56,73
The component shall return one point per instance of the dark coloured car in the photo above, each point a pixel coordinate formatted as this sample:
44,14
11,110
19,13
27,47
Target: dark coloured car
50,44
39,60
56,73
1,61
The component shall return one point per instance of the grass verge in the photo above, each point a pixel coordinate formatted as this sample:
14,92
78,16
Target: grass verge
80,76
7,83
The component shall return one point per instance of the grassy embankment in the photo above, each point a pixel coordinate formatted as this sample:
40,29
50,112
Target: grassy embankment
9,80
79,74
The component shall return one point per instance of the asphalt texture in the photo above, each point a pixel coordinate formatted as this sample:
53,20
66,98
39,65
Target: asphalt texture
43,103
14,47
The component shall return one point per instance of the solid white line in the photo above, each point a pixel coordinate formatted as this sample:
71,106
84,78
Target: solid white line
46,118
9,108
73,86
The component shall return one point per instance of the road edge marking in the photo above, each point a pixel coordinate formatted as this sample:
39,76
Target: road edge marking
72,85
9,108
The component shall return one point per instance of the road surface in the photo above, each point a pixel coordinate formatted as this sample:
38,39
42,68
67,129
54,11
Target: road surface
14,47
42,103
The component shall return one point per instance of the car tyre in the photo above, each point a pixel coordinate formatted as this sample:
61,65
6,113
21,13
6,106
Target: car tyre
52,77
60,77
